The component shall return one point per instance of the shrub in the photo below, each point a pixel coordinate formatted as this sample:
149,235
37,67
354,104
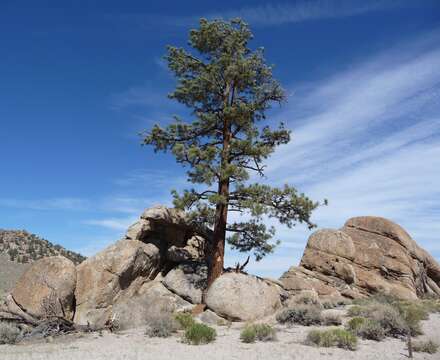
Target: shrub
161,326
356,310
184,319
371,330
429,346
197,334
355,323
302,314
366,328
431,305
9,334
331,318
307,299
261,332
334,337
388,316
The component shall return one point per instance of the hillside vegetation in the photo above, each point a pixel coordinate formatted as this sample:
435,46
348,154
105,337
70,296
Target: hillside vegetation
23,248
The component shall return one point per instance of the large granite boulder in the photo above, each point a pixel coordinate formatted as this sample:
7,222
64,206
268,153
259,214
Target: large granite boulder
368,255
188,280
242,297
150,301
170,230
106,276
47,288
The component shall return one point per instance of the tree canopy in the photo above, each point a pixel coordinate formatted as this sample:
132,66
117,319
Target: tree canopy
229,87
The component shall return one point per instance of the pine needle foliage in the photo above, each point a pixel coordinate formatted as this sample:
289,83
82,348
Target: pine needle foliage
229,88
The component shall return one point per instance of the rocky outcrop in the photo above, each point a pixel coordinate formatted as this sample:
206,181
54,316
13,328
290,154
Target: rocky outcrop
170,230
47,288
368,255
102,278
188,280
238,296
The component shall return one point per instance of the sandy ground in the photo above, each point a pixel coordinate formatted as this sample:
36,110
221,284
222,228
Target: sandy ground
133,344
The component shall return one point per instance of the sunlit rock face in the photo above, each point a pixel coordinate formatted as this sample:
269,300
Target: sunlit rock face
367,255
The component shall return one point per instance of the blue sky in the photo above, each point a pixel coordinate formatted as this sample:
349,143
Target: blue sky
81,79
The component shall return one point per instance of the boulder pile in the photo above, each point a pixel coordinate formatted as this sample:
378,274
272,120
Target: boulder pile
160,266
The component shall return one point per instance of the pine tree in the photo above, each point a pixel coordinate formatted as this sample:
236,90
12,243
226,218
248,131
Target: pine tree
229,88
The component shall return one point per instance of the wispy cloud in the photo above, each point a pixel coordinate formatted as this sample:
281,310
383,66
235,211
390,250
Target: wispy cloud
112,223
368,139
65,203
275,13
279,13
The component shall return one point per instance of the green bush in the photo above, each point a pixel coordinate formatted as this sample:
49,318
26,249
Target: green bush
371,330
334,337
161,326
197,334
9,334
366,328
388,316
429,346
260,332
185,320
355,323
303,314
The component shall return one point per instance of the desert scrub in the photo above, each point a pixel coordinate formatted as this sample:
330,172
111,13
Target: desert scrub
366,328
333,337
428,346
161,326
388,316
356,310
184,319
302,314
260,332
307,299
9,334
197,334
371,330
331,318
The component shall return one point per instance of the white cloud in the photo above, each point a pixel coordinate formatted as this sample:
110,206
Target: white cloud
368,139
112,223
273,13
64,203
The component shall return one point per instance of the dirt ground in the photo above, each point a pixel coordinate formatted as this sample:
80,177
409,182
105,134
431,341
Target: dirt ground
134,344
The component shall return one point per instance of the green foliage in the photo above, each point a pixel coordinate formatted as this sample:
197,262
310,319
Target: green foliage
9,334
197,334
355,323
333,337
184,319
161,326
431,305
387,316
229,87
371,330
302,314
428,346
260,332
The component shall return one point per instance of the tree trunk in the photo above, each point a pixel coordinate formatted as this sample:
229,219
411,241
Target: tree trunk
217,254
216,259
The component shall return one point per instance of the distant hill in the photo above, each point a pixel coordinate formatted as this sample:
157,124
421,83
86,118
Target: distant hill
18,249
23,247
